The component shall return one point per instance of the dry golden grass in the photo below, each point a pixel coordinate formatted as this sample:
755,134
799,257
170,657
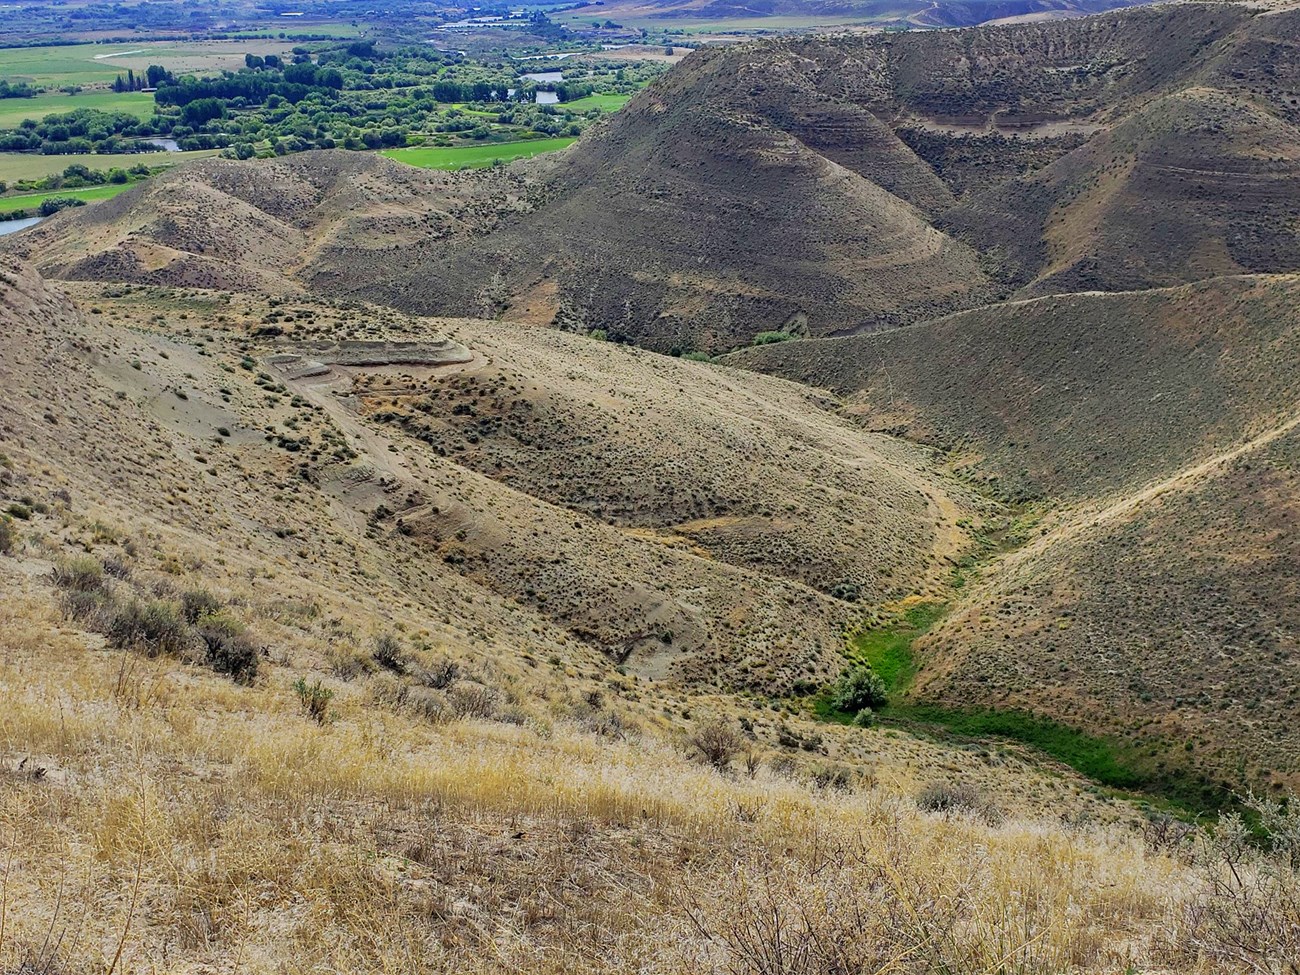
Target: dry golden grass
536,811
197,825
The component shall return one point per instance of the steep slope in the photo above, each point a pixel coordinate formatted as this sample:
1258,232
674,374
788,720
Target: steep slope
923,13
807,185
1196,184
1167,620
1150,597
696,225
225,224
535,477
1072,396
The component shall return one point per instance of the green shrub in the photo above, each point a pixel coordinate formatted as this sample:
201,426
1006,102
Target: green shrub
80,574
19,511
767,338
8,536
859,687
198,603
314,699
864,718
154,627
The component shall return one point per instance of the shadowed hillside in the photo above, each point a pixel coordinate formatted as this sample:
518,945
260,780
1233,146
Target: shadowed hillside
1193,185
1073,395
1153,600
805,185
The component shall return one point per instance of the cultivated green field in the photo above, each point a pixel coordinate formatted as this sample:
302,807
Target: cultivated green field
60,64
31,201
475,157
608,103
14,110
24,165
99,64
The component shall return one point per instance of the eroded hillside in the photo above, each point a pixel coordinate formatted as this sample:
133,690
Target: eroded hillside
811,186
254,716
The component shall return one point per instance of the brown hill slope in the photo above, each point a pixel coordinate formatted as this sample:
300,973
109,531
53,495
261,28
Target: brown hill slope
694,523
488,779
251,227
1193,185
1072,395
768,187
1167,620
1154,600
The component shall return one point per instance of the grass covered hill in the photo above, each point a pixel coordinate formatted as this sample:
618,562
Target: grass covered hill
1144,442
266,701
1072,396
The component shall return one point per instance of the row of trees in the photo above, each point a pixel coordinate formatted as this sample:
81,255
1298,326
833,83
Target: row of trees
16,90
154,76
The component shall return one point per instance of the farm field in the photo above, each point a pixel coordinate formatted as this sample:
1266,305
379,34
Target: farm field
608,103
14,110
92,64
31,201
475,157
25,165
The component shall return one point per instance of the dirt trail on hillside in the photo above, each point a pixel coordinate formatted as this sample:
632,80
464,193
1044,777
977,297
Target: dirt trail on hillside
1079,522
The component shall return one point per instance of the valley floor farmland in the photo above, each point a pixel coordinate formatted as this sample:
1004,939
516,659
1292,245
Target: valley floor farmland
475,157
28,165
99,64
14,110
30,203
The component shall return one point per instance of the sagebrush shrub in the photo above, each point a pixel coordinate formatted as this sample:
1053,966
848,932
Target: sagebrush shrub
155,627
80,574
470,700
859,687
956,797
440,674
198,603
388,653
717,742
228,649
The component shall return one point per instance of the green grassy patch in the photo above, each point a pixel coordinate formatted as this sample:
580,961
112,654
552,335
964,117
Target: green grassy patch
475,157
27,165
888,648
1100,759
14,110
606,103
61,64
31,202
1106,761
